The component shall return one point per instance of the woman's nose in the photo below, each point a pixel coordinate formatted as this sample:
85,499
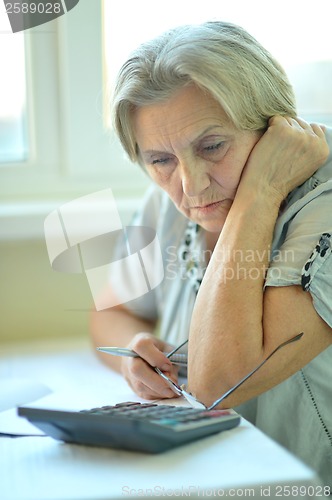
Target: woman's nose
195,177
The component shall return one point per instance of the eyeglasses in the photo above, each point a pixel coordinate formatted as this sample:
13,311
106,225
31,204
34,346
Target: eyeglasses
182,391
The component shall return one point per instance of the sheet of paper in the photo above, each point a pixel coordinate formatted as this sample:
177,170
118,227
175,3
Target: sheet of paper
16,392
19,391
13,425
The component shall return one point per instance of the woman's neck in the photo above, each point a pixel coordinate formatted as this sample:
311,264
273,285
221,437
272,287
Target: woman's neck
211,240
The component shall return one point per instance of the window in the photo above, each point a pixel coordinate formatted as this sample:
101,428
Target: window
67,151
70,152
14,145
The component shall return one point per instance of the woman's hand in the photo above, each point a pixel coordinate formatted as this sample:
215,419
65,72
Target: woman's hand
286,155
139,372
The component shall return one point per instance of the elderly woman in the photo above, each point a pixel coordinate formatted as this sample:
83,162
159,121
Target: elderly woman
241,202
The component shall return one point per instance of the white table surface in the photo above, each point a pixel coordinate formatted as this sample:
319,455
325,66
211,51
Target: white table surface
240,463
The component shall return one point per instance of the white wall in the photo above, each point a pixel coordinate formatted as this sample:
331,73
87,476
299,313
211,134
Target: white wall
35,300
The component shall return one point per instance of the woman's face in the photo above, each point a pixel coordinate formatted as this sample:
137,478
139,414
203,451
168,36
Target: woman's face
193,152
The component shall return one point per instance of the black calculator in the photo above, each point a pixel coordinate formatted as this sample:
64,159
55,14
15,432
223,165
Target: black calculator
146,427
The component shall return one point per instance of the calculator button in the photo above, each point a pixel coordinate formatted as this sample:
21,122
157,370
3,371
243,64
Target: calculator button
126,404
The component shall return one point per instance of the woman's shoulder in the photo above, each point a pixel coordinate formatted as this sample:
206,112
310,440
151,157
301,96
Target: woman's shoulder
306,214
324,173
313,191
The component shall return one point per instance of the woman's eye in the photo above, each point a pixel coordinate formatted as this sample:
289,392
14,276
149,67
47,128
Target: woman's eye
160,161
213,147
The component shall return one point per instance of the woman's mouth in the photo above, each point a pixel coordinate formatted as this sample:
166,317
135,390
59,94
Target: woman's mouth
208,208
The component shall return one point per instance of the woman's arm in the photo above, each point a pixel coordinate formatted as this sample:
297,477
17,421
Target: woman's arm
119,327
116,327
235,325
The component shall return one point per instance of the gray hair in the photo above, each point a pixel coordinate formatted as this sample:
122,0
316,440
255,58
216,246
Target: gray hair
219,58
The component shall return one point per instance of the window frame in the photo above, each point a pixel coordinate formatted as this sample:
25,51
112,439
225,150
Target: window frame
71,151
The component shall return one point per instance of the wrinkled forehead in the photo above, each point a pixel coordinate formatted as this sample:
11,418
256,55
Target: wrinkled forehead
186,114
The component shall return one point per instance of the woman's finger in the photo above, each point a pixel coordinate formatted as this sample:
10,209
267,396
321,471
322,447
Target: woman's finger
141,374
150,350
318,129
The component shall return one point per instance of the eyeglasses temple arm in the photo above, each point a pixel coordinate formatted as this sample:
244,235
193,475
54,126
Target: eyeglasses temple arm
230,391
176,349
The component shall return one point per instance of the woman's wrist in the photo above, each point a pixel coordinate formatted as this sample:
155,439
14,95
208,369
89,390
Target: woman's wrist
257,203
